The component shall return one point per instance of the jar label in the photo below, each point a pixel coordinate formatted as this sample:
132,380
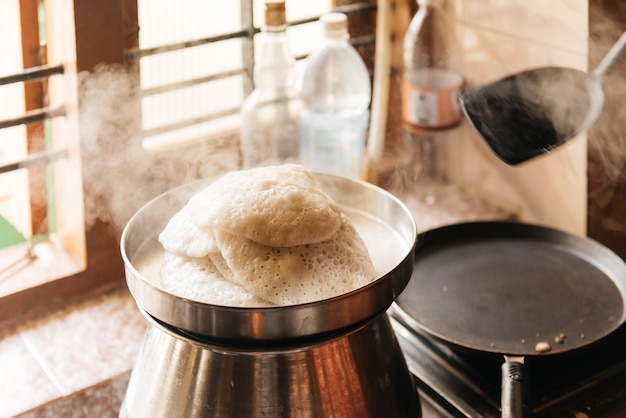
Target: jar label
430,107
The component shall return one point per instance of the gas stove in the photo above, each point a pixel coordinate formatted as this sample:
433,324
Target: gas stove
588,383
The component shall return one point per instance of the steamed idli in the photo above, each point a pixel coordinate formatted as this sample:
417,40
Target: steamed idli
298,274
198,279
263,237
279,206
183,238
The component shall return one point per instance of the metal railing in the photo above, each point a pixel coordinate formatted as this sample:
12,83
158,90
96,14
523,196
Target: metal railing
36,115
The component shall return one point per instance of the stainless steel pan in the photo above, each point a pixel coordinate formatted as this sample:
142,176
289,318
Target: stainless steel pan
389,222
513,289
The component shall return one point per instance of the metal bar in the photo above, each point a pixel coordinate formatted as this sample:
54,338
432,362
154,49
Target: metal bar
31,116
33,73
32,160
363,40
188,83
348,9
248,31
247,46
188,122
356,42
356,8
136,53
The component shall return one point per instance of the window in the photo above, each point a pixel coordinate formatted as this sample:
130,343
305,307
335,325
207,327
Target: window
203,51
182,78
40,191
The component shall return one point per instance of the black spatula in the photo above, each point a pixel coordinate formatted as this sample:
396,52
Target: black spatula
527,114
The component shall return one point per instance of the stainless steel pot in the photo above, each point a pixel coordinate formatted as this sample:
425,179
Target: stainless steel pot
361,373
335,357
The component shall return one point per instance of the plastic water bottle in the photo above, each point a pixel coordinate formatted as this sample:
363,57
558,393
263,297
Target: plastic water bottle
269,115
336,93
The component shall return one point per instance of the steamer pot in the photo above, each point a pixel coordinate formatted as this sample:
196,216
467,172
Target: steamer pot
361,373
335,357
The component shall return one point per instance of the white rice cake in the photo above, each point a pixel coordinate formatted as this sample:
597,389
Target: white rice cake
198,279
278,206
299,274
181,237
263,237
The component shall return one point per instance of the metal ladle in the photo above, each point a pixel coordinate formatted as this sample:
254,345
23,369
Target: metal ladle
527,114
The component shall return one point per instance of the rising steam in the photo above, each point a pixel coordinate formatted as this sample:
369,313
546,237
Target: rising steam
119,174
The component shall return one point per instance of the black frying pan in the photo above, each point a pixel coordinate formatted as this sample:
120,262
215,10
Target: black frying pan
514,289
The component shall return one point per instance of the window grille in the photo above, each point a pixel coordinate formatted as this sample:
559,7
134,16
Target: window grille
245,34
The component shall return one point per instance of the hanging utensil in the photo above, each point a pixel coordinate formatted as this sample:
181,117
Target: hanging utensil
527,114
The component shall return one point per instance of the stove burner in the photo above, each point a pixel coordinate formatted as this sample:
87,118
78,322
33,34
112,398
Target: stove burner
585,383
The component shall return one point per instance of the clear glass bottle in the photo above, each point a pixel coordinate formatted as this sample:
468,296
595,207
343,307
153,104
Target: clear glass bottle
269,115
431,81
336,94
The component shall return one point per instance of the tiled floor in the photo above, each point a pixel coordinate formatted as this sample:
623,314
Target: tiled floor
77,350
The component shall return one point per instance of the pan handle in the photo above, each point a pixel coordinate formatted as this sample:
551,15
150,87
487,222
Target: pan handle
514,397
612,57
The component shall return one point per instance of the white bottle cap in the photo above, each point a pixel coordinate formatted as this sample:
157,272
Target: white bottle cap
335,25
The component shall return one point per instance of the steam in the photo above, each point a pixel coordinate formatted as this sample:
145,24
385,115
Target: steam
119,175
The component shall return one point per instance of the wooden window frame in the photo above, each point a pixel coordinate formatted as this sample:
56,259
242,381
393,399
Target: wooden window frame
100,32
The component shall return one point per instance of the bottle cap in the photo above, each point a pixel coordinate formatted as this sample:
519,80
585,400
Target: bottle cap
275,13
335,25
